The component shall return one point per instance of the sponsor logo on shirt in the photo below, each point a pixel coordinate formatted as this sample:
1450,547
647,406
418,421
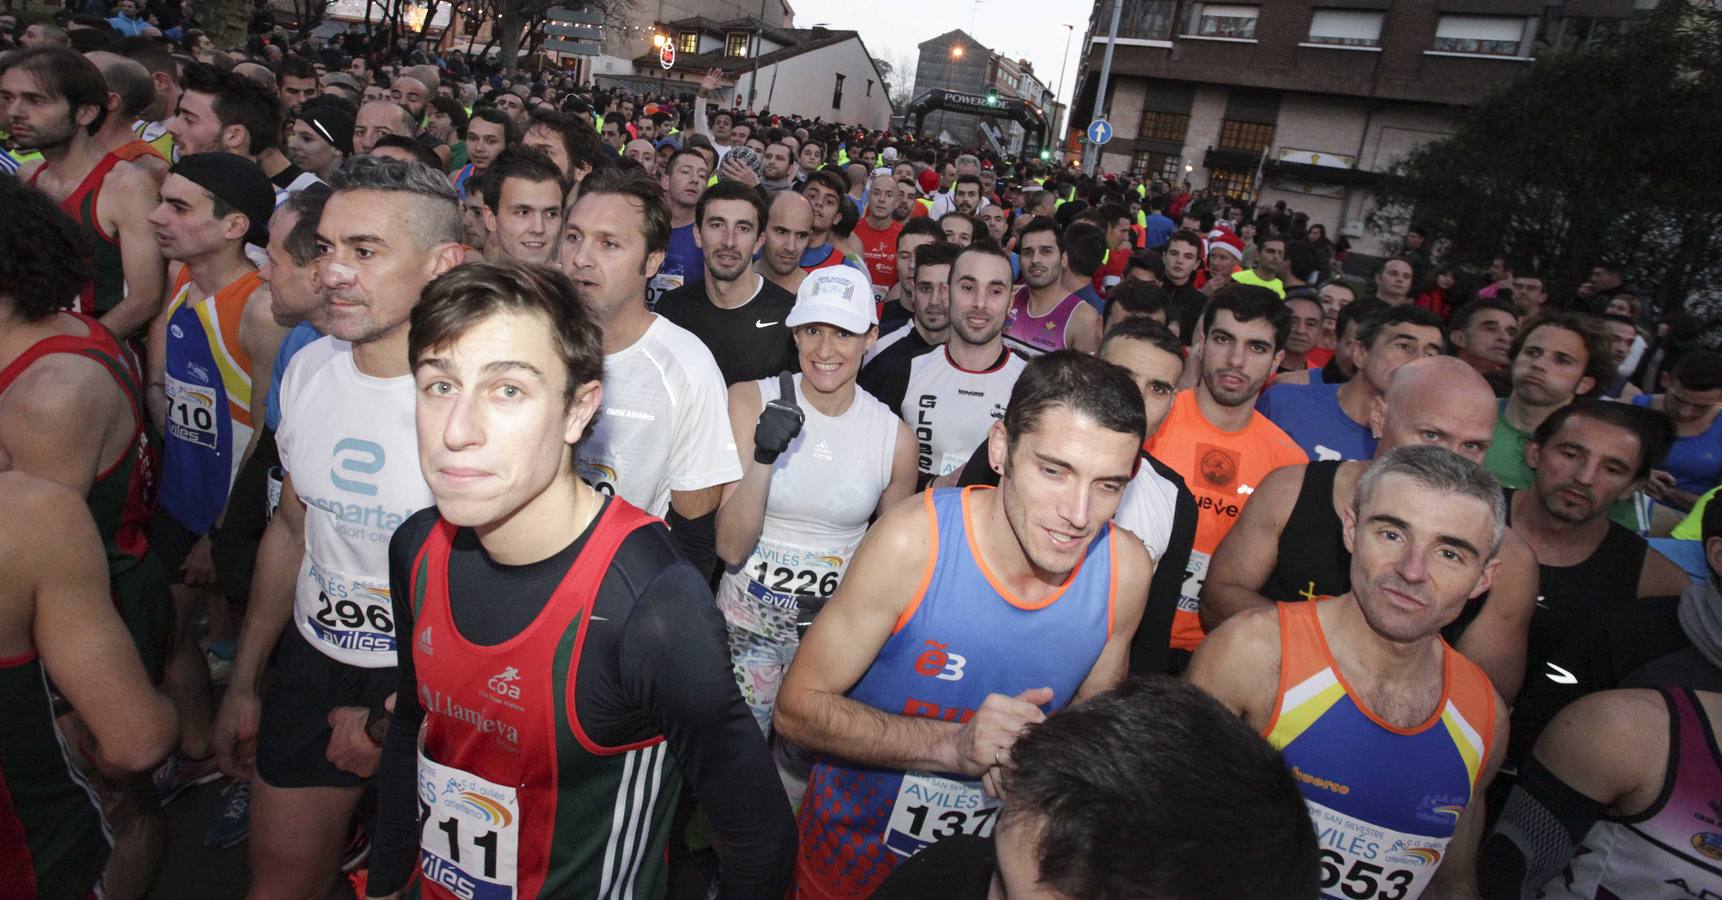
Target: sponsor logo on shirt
503,683
436,701
356,457
938,662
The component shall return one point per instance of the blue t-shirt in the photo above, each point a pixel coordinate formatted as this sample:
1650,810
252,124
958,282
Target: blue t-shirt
1311,415
297,339
683,262
1092,297
1696,461
1160,230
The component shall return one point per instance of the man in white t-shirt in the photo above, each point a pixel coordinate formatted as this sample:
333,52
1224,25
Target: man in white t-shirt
349,451
663,441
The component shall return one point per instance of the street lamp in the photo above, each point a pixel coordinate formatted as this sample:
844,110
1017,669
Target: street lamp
957,52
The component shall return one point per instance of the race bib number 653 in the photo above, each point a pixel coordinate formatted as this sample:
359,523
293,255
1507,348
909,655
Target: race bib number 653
1362,861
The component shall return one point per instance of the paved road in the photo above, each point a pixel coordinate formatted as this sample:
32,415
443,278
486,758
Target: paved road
192,870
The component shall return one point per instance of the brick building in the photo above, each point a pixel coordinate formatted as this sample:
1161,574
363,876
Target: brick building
956,61
1312,97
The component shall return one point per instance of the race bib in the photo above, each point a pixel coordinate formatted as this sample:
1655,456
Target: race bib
1189,599
799,571
190,412
659,286
599,474
1361,861
470,839
351,613
952,462
931,807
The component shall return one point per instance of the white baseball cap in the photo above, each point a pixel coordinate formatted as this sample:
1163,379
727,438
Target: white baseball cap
837,295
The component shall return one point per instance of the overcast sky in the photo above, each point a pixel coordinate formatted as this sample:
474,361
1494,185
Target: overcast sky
1024,29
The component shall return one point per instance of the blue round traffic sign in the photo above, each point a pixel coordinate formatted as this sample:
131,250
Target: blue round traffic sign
1099,132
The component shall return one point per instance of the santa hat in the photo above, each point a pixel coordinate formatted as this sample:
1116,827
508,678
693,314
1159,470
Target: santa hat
1229,243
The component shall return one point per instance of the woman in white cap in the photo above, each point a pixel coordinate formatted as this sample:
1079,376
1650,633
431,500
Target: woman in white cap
815,469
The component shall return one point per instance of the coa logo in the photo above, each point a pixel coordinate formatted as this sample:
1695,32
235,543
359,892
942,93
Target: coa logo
503,683
1708,843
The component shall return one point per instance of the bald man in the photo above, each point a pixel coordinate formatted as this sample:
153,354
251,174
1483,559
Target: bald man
256,74
412,94
378,118
644,153
131,92
1287,544
789,225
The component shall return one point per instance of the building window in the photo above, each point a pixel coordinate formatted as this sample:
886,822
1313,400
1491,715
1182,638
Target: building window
1581,31
1164,126
1252,136
1150,166
837,93
869,87
1234,184
1485,35
1149,20
1345,28
735,44
1225,20
688,43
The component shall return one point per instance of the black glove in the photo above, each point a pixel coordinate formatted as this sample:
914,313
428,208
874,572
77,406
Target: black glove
779,423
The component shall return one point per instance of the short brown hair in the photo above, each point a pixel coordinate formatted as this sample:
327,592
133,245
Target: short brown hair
466,295
1598,342
642,188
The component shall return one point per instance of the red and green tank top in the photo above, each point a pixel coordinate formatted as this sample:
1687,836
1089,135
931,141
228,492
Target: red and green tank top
53,840
108,288
516,799
122,497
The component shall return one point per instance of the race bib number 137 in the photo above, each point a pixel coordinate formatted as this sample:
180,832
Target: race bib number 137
930,808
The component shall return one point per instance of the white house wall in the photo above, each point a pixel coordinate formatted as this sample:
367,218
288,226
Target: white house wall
802,85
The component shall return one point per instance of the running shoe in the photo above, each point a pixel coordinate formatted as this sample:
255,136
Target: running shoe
181,772
234,823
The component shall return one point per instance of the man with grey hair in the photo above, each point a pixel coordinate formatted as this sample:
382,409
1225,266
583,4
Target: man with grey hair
1289,542
968,166
349,455
1343,683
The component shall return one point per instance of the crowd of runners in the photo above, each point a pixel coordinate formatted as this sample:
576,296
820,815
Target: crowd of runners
509,487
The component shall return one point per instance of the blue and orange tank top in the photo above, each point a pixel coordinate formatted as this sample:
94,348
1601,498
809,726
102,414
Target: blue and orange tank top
208,385
460,177
1384,799
964,635
1674,848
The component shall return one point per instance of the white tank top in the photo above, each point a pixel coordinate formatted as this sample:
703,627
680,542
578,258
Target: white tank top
951,408
349,442
824,488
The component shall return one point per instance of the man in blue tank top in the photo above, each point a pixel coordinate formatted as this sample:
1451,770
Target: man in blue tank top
1027,599
1331,421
